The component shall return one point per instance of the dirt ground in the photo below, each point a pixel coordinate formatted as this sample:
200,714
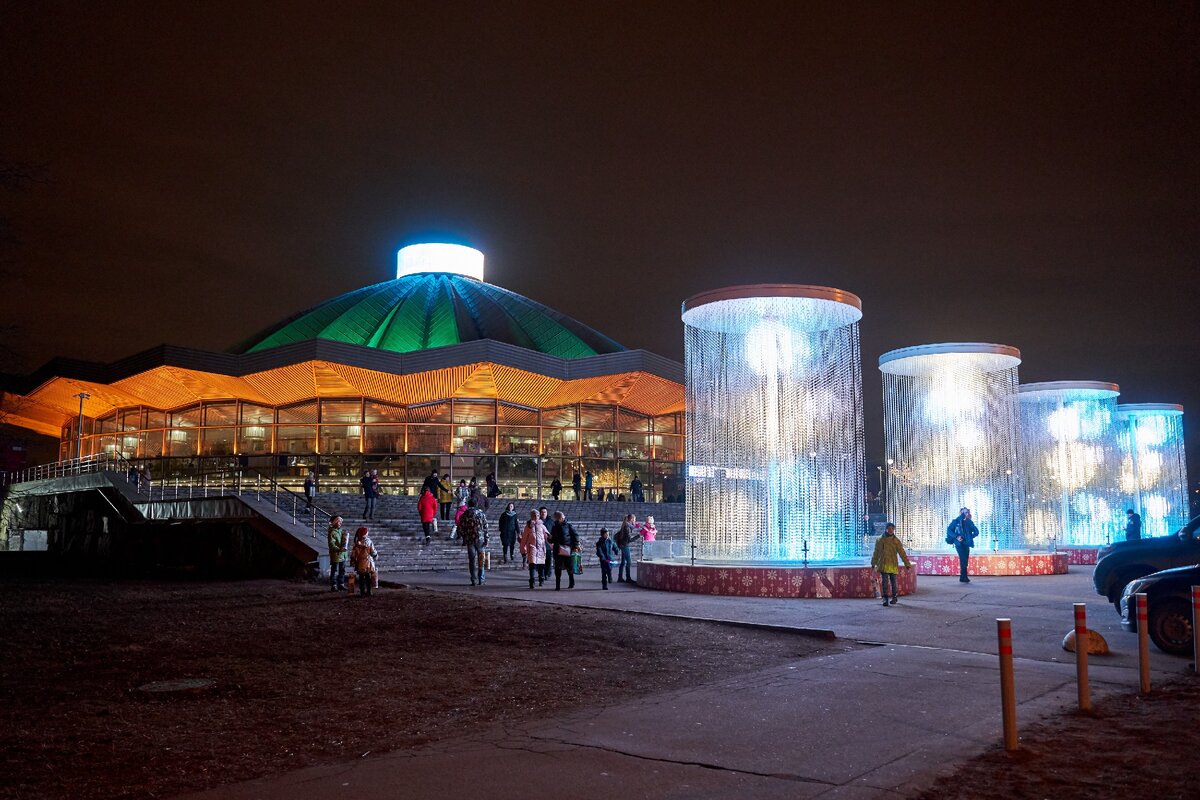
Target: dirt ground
1129,747
297,668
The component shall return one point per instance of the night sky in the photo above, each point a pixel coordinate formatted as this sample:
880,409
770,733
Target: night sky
1025,175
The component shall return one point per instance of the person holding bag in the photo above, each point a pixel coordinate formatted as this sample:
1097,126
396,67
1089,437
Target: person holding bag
565,543
535,542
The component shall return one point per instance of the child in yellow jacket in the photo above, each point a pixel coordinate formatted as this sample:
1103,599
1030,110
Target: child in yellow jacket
886,561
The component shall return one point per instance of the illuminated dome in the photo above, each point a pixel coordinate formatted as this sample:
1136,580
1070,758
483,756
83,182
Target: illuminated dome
443,305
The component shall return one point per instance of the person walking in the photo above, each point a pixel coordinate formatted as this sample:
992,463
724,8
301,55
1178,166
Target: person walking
430,483
577,485
508,532
370,492
547,523
472,529
636,493
1133,525
337,555
555,488
310,491
606,551
445,496
623,538
886,561
587,485
535,542
961,533
363,556
565,542
427,508
477,494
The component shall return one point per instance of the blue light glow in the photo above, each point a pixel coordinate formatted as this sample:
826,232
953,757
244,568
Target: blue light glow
1153,469
1071,456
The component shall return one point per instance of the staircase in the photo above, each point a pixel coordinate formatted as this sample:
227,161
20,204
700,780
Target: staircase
398,536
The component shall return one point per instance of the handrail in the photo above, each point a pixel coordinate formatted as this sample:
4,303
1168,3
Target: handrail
84,465
115,462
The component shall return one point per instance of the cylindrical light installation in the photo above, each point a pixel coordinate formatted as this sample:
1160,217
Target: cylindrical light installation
774,434
1072,461
952,433
1153,469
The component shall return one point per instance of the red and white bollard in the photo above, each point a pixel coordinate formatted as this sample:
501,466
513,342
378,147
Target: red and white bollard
1081,657
1143,631
1008,696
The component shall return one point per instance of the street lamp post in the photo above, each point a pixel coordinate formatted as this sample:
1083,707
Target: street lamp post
79,426
883,486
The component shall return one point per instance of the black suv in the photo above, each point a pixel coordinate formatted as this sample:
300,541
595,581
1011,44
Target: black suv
1168,607
1122,562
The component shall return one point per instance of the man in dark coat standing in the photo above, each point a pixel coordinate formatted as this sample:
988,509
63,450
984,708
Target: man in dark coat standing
961,533
624,537
1133,525
565,541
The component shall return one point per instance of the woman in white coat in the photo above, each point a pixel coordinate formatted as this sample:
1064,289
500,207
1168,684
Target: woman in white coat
534,543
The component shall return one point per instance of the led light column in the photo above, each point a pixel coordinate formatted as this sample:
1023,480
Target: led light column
1153,472
774,423
1072,460
952,433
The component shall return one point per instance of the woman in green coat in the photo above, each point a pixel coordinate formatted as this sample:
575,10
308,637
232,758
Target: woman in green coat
889,550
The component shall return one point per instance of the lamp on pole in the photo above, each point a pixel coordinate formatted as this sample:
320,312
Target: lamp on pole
79,426
883,486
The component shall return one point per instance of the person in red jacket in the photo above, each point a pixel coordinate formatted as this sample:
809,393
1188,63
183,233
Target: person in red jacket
427,507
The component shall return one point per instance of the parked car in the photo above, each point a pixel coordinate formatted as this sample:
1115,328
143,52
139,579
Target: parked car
1168,607
1122,562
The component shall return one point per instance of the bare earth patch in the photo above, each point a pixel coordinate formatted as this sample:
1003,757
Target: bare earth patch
1130,747
303,677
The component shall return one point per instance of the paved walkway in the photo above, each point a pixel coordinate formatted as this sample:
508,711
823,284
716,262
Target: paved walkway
863,722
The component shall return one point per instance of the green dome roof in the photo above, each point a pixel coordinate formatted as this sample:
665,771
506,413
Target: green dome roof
436,309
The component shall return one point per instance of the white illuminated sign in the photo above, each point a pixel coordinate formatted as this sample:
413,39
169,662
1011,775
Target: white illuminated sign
455,259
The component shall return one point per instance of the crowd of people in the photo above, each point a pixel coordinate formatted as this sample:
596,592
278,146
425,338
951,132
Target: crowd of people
549,543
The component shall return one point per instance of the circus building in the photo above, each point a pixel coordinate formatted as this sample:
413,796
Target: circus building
436,369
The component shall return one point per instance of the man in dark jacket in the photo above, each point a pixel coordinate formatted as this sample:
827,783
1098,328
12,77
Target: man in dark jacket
961,533
472,528
565,541
431,483
370,490
624,537
577,486
1133,525
636,494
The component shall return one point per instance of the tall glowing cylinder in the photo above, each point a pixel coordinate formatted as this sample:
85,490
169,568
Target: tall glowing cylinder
952,439
1153,469
774,434
1072,469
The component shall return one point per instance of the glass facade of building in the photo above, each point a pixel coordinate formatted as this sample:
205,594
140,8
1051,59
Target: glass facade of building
526,448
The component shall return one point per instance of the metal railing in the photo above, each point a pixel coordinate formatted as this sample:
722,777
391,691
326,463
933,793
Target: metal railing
240,481
72,466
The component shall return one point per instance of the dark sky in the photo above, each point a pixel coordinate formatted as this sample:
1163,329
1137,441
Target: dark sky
975,172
